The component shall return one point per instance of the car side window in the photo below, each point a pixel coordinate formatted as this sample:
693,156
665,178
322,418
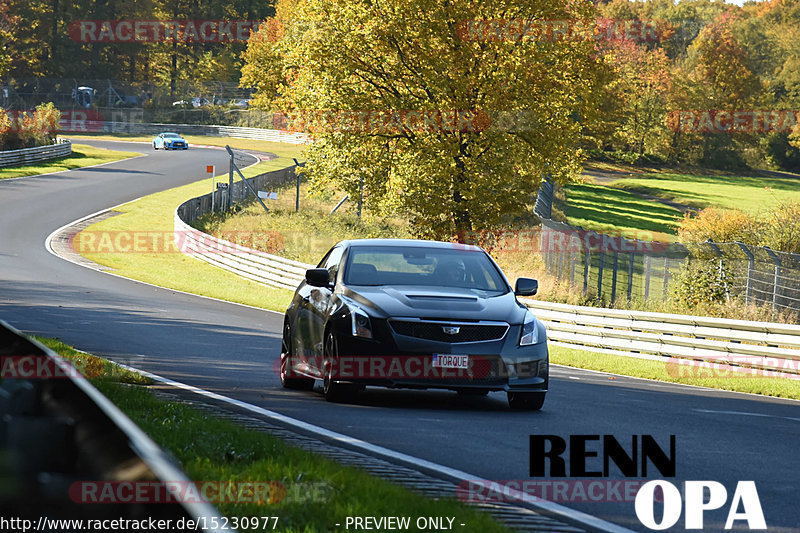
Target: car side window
333,261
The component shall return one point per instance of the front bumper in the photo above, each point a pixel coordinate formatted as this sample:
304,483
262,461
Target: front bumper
405,362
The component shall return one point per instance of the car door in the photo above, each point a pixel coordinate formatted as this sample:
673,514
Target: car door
312,314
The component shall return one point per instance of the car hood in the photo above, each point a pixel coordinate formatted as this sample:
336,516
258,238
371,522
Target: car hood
436,302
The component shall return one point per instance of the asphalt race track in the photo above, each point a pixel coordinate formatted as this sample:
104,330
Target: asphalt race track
232,350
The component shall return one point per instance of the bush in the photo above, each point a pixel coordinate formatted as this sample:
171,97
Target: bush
780,228
701,282
719,225
27,130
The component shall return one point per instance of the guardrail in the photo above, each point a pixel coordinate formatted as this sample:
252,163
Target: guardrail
735,345
59,436
26,156
730,345
252,264
152,128
766,348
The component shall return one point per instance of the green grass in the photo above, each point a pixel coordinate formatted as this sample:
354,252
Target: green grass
662,371
746,192
613,211
308,493
170,268
311,493
82,156
93,367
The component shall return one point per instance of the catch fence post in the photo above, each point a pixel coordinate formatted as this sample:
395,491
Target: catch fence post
614,277
630,275
776,278
751,259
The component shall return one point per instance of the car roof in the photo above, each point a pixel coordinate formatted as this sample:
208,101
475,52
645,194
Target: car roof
171,133
409,243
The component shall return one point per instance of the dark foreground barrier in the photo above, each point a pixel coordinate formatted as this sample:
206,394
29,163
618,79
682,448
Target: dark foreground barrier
57,431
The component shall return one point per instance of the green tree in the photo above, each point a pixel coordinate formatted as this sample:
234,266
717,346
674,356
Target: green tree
523,104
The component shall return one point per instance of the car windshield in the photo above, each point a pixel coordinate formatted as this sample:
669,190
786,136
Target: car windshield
440,267
171,136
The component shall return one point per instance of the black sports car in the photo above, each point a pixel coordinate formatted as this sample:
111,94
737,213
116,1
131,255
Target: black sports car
414,314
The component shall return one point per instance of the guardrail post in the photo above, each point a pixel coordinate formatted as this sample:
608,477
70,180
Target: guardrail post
751,258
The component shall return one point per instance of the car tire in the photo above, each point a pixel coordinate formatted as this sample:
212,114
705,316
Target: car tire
155,147
334,390
287,379
527,401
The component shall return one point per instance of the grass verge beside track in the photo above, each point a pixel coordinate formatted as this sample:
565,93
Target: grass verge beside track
82,156
307,492
686,375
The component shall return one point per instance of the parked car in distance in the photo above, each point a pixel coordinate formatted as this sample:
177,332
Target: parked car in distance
414,314
170,141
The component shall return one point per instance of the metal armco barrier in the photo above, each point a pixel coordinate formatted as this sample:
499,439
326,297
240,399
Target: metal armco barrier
57,430
252,264
26,156
765,348
145,128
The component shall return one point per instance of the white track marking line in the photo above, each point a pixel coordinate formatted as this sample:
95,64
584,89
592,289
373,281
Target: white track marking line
553,509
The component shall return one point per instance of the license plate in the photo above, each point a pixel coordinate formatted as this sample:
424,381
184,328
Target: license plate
442,360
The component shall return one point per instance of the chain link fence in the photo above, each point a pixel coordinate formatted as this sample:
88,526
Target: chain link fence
612,267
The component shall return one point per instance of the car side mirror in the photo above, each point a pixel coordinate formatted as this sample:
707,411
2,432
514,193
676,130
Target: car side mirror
318,277
526,287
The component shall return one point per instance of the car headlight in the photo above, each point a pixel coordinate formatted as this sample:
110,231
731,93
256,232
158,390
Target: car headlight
362,326
530,330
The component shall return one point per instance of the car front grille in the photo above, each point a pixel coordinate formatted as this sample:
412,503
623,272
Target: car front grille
437,331
487,370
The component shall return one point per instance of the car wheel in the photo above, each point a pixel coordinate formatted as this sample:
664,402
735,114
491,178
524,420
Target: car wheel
155,147
287,374
334,390
529,401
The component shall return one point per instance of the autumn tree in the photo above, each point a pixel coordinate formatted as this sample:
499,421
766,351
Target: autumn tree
448,111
